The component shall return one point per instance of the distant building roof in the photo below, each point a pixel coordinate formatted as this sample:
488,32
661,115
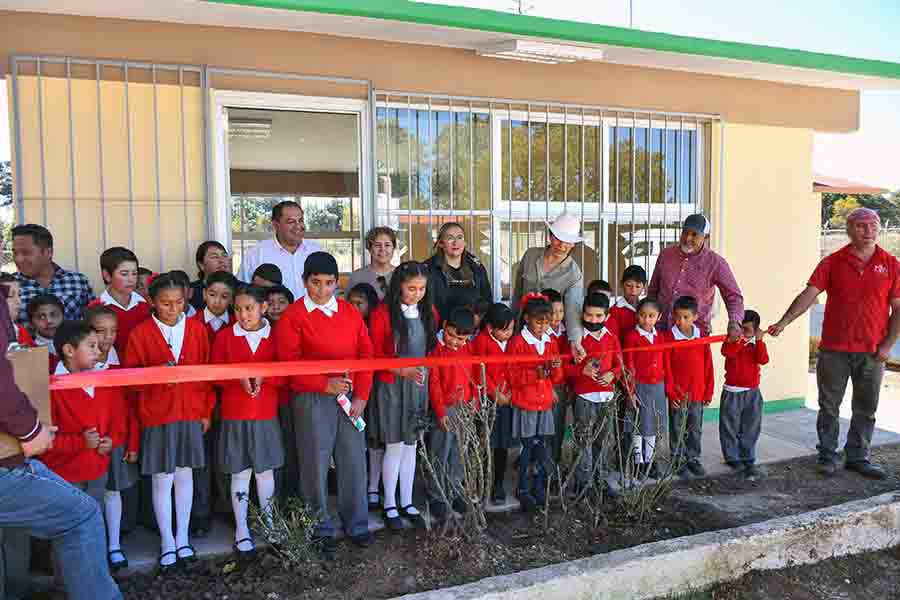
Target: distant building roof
836,185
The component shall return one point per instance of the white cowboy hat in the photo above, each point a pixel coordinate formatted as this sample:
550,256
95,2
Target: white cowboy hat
566,228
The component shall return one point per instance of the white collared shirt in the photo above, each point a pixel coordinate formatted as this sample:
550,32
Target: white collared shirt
555,334
190,311
649,336
62,370
215,322
112,359
499,343
329,308
290,264
680,337
173,335
539,344
410,311
254,338
106,299
45,342
621,302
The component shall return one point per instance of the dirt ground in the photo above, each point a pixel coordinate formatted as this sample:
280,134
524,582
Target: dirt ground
414,560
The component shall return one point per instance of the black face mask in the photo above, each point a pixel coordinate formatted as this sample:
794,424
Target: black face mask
593,327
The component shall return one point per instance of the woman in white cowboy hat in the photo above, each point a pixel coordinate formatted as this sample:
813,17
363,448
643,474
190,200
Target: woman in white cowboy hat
553,267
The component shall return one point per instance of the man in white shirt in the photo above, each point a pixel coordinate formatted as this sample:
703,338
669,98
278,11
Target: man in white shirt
287,249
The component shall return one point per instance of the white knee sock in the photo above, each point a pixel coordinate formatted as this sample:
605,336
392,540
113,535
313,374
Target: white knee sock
162,507
407,476
649,447
265,489
240,500
393,455
184,498
112,506
636,448
376,457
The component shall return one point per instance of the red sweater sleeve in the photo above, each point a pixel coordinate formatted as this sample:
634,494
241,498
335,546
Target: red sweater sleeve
762,353
709,375
436,387
204,387
362,380
521,375
731,349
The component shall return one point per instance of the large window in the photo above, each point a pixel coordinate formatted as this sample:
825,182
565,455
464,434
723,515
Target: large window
504,170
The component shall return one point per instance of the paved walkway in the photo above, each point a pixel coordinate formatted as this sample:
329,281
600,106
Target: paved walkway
785,435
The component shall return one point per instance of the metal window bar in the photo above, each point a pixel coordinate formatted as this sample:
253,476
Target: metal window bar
40,99
100,178
72,163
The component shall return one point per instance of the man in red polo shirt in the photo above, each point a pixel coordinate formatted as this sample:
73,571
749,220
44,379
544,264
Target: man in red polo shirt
862,322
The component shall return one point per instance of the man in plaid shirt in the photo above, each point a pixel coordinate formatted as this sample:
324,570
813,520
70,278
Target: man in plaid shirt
38,274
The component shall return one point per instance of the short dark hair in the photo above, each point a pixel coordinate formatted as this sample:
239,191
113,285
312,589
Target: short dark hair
165,281
39,234
254,291
43,300
537,307
376,231
751,316
599,285
597,300
203,250
223,277
366,291
280,289
552,295
115,256
686,303
480,306
499,316
635,273
648,301
96,311
279,208
181,277
269,272
72,333
462,320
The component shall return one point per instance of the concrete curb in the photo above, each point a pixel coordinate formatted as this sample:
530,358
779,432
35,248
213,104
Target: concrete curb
699,561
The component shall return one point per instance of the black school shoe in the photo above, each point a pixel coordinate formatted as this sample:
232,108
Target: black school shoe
439,510
393,523
362,540
117,560
866,469
752,472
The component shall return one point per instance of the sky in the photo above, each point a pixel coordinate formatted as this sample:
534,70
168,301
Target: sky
862,28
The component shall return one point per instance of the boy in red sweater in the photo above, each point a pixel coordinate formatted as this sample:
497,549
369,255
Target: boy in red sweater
119,269
593,380
447,387
740,412
623,314
557,332
689,387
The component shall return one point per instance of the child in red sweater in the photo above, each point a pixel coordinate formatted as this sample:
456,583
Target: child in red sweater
123,471
650,412
740,413
689,387
499,326
447,387
594,379
533,396
278,299
119,269
14,302
45,314
173,417
218,295
557,332
623,314
249,442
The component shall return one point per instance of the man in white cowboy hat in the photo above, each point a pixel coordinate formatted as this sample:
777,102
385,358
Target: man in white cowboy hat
553,267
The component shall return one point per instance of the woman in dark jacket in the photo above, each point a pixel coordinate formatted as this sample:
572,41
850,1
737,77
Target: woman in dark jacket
456,277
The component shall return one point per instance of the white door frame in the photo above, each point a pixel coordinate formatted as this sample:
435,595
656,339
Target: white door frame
225,99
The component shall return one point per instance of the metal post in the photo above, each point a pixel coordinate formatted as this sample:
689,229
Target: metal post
72,162
528,206
99,72
159,232
472,178
130,165
664,146
184,175
409,121
618,154
17,134
208,141
648,148
634,193
583,184
546,177
432,161
40,99
512,274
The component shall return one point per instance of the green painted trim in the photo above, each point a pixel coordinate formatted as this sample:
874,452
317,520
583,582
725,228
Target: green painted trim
556,29
774,406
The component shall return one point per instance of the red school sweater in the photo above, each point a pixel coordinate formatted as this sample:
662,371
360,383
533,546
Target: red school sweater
305,335
200,317
497,373
23,338
622,319
690,373
742,362
126,318
563,345
530,392
284,391
650,366
448,385
608,354
383,338
124,409
170,403
74,412
237,404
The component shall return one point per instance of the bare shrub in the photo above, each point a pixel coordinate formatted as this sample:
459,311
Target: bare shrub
288,527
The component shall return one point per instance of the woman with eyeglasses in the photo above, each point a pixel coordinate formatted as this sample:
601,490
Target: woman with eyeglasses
381,243
212,257
456,277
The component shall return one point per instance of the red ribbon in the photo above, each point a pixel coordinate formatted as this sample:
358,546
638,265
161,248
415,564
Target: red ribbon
195,373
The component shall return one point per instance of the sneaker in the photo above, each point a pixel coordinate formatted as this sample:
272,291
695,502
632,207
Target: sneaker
438,509
866,469
696,468
752,472
827,468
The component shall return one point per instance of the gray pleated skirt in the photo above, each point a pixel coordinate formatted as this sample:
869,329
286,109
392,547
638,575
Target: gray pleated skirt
529,423
252,444
653,409
502,434
122,475
165,447
400,412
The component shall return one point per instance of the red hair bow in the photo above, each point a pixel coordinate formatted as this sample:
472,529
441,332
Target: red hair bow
532,296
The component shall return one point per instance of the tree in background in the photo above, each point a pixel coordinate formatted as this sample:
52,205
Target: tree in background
887,207
840,209
5,223
5,183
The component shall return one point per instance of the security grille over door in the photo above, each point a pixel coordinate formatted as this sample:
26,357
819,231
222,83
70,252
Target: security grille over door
504,168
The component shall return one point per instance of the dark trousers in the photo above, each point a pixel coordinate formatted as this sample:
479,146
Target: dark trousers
287,478
833,370
560,421
740,421
443,450
686,431
534,450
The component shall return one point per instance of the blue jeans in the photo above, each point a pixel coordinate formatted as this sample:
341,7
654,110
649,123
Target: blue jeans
35,499
534,450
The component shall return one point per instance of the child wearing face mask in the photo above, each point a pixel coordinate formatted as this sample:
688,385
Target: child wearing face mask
404,326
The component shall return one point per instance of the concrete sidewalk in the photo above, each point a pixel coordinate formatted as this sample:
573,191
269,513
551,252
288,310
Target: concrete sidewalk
785,435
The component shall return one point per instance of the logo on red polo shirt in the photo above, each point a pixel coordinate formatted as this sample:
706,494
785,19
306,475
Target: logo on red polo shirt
880,269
